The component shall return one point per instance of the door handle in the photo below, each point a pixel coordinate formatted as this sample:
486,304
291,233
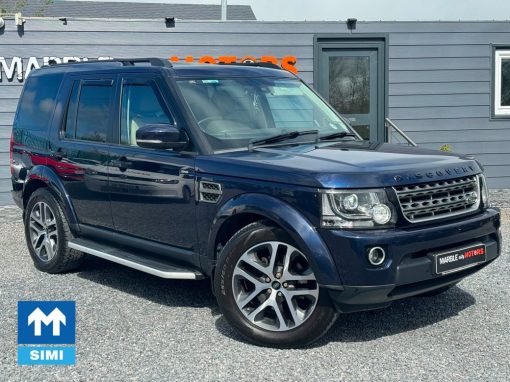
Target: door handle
123,164
58,155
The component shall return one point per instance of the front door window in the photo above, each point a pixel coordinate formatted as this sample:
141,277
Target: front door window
140,106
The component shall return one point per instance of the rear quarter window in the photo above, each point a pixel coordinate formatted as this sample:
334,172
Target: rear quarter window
38,102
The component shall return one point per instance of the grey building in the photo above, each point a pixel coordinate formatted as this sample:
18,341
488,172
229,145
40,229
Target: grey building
443,83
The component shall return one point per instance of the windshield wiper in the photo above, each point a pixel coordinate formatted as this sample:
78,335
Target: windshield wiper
281,137
338,134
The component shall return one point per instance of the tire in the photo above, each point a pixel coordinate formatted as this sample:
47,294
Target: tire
436,292
248,296
47,234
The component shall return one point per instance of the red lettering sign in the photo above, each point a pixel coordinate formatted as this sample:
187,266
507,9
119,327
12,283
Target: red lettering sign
286,62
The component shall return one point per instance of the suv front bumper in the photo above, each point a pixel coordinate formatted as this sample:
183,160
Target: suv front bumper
409,268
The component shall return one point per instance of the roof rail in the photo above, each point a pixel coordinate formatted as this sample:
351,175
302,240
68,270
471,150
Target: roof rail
152,60
124,61
260,64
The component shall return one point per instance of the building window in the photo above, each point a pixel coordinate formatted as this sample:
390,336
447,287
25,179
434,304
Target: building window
502,82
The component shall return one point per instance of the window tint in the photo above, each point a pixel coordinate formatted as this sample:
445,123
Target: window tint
291,110
93,112
233,111
140,106
38,102
70,125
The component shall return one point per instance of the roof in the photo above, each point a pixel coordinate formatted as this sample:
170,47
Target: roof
178,70
124,10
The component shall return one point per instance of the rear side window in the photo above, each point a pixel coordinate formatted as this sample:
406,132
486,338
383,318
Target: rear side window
89,111
38,102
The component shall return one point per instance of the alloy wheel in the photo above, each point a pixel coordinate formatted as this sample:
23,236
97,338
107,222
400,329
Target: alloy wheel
274,286
43,231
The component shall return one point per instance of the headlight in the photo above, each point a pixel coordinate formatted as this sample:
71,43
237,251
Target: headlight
484,190
356,209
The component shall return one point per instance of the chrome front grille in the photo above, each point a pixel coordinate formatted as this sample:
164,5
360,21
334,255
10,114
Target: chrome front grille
441,199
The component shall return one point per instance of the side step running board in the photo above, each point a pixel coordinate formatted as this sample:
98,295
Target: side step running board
148,264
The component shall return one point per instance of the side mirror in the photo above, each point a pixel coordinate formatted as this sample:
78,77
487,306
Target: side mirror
161,136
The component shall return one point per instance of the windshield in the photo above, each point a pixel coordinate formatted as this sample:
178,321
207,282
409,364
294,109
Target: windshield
234,111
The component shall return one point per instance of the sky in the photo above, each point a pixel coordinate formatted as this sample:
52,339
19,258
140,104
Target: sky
371,10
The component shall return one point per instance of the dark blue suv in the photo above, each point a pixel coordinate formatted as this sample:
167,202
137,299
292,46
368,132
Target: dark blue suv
243,174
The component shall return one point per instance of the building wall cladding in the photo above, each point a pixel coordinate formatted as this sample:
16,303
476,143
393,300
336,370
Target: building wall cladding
439,72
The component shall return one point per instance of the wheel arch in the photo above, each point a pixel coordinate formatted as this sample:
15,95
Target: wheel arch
248,208
42,176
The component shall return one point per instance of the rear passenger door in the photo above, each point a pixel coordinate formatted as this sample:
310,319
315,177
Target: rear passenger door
80,153
152,190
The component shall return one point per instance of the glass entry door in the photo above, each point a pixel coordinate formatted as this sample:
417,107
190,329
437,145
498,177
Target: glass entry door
352,82
351,77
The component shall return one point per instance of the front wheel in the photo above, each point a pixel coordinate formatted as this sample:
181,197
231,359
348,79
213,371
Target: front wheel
267,290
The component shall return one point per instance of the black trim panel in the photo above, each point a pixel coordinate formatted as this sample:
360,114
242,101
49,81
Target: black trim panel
179,255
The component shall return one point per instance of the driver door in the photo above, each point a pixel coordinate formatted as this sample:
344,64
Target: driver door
152,190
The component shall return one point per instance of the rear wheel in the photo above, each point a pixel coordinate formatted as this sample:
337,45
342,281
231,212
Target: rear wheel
267,289
47,233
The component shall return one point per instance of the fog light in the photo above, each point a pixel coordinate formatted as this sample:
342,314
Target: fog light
376,256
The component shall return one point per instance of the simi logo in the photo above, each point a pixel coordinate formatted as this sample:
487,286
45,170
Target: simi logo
46,322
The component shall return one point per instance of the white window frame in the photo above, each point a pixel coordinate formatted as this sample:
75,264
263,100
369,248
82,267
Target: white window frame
499,110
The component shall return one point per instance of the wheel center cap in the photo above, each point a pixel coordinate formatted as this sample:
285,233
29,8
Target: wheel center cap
276,285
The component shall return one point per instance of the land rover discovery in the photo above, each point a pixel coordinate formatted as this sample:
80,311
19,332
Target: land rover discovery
244,175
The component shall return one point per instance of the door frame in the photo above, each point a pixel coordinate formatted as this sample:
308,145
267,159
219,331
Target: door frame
378,41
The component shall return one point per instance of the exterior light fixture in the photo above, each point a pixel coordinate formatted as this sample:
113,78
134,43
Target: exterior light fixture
170,22
351,23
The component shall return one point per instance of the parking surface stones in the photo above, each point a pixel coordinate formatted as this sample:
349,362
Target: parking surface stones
136,327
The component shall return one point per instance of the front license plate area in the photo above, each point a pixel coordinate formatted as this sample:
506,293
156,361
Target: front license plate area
458,259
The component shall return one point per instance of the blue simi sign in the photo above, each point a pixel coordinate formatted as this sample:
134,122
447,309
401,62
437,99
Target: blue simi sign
46,322
46,355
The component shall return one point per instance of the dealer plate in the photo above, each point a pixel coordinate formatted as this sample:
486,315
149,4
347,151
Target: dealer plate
458,259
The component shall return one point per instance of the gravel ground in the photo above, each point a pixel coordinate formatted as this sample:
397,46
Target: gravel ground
132,326
500,198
